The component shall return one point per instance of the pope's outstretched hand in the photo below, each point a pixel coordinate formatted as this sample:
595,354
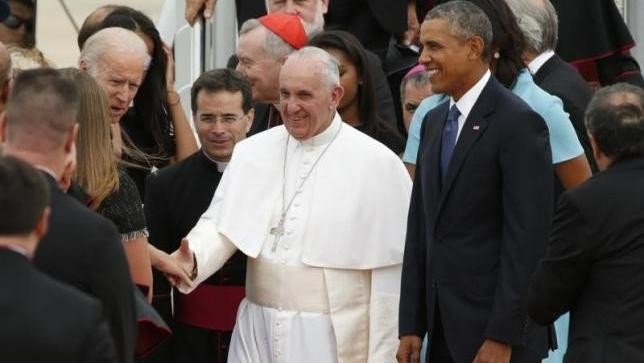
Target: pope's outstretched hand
185,258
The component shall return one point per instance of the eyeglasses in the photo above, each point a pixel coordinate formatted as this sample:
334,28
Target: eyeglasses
226,118
15,22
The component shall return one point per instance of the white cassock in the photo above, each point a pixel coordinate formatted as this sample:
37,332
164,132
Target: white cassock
328,290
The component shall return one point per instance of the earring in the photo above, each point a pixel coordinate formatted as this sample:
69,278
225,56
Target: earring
497,55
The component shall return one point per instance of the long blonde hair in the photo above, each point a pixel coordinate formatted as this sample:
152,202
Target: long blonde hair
96,169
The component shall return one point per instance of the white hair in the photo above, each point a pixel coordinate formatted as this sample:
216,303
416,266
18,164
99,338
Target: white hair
330,70
538,22
115,41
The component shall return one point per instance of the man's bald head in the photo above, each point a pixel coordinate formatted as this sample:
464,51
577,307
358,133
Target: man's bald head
92,22
615,122
311,11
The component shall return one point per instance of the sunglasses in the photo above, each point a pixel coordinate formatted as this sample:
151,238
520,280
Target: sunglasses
15,22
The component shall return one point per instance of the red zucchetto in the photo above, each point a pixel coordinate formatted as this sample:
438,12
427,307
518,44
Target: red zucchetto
287,26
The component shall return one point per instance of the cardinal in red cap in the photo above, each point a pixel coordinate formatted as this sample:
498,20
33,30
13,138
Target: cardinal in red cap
289,27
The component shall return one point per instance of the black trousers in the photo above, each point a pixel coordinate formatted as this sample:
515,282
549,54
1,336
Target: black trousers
438,351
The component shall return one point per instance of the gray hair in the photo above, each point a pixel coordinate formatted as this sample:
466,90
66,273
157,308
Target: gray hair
330,70
615,119
275,46
538,22
418,80
465,21
112,40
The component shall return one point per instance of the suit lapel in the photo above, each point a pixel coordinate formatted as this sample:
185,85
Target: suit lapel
431,153
474,127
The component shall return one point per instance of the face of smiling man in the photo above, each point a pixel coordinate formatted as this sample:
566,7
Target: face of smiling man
221,122
307,99
454,64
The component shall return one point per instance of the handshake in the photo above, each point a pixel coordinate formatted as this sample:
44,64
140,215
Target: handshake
179,268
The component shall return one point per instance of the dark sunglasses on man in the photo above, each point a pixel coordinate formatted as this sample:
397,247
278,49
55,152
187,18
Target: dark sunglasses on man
14,22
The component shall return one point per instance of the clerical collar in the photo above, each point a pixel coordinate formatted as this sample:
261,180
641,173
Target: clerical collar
221,165
325,136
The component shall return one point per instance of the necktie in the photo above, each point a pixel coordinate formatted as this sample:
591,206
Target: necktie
448,141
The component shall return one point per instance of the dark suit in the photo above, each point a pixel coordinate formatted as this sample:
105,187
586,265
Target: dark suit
46,321
176,198
474,239
84,250
594,267
562,80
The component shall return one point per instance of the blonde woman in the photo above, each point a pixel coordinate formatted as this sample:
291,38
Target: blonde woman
110,191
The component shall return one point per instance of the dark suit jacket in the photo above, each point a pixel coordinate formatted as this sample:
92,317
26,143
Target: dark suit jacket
46,321
473,242
594,267
562,80
84,250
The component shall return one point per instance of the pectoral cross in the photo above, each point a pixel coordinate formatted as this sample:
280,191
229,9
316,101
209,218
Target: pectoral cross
278,232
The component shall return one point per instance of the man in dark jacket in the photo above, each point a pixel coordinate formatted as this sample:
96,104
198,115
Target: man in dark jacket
43,319
595,259
81,248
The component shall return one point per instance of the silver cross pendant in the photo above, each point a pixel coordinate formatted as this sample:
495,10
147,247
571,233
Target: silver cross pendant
278,232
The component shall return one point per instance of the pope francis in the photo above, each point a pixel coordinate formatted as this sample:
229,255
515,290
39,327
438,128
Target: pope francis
320,209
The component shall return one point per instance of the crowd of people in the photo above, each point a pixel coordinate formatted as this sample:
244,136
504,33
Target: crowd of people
368,181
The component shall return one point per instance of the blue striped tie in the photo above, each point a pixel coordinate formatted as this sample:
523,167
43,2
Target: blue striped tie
450,130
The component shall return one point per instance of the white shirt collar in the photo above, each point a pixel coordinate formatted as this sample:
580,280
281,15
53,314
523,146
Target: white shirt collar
221,165
540,60
467,101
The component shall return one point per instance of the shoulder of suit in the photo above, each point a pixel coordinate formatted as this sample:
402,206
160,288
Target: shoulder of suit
64,296
169,171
